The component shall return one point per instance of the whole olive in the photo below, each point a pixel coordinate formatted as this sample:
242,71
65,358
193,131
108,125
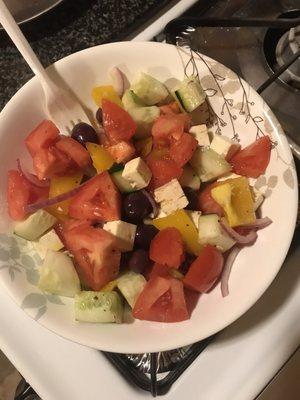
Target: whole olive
84,133
144,235
136,207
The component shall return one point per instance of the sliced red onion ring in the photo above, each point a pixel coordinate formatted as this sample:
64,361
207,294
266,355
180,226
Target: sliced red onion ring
152,201
227,269
118,80
31,208
247,239
260,223
32,178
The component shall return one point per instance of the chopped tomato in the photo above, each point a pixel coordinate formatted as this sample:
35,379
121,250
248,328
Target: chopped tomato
95,252
117,123
167,248
171,108
181,150
252,161
98,200
205,270
74,150
159,270
50,162
163,171
122,151
207,204
20,193
161,300
43,136
168,127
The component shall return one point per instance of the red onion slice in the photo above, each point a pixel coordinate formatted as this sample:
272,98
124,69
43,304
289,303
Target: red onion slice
250,238
227,270
31,208
152,201
32,178
118,80
260,223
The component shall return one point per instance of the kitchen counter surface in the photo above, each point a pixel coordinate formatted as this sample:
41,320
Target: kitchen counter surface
70,27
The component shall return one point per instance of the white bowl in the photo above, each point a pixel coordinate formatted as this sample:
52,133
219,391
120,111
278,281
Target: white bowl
241,111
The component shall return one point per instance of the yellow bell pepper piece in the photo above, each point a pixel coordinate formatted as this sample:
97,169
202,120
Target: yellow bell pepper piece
181,220
110,286
144,146
60,185
235,197
105,92
101,158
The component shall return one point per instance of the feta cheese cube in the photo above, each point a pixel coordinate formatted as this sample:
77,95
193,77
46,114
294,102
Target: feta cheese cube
124,232
211,232
170,197
200,134
137,173
224,146
49,241
257,196
194,215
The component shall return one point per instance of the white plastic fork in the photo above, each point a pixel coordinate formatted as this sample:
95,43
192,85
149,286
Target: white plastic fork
61,105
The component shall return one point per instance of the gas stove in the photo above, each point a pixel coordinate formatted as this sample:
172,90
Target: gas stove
255,53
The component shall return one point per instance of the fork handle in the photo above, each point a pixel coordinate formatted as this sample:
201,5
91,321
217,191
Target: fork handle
16,35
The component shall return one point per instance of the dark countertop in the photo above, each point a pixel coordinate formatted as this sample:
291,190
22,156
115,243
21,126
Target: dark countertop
70,27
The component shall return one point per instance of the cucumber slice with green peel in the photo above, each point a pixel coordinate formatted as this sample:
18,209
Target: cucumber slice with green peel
98,307
58,275
189,178
122,184
209,164
144,118
35,225
149,89
131,100
190,94
131,285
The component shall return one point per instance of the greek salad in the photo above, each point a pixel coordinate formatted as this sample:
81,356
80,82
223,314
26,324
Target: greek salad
142,210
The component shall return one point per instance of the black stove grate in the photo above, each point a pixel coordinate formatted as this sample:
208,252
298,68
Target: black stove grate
152,382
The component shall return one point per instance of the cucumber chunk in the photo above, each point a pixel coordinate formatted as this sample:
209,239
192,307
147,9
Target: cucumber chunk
209,164
149,89
58,275
131,285
190,94
211,232
96,307
122,184
35,225
189,178
142,115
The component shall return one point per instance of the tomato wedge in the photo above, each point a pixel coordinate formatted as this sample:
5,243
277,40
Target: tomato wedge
95,252
20,193
51,162
171,108
43,136
74,150
205,270
168,127
167,248
182,150
207,204
163,171
117,123
98,200
159,270
252,161
122,151
162,300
